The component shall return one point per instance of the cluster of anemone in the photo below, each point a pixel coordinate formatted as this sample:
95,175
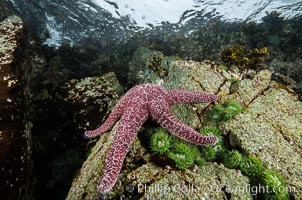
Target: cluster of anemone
181,153
237,55
252,167
224,112
249,165
184,155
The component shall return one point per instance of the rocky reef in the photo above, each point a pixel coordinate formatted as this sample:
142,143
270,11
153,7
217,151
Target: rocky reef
15,146
269,128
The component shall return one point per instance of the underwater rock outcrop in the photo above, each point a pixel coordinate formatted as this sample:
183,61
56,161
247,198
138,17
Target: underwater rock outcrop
91,98
14,131
269,129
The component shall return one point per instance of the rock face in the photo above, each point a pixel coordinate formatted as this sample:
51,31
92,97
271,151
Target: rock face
270,128
83,186
92,98
293,74
210,181
14,144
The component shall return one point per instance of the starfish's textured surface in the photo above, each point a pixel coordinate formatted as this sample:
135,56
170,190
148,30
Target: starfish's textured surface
133,109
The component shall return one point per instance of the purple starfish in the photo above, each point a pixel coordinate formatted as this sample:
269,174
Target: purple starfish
133,109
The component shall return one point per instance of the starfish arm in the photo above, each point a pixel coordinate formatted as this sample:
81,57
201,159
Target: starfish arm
179,129
113,117
186,96
126,132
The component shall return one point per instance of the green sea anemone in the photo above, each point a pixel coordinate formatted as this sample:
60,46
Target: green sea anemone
251,166
198,159
276,186
232,159
182,155
208,153
160,141
225,112
233,107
